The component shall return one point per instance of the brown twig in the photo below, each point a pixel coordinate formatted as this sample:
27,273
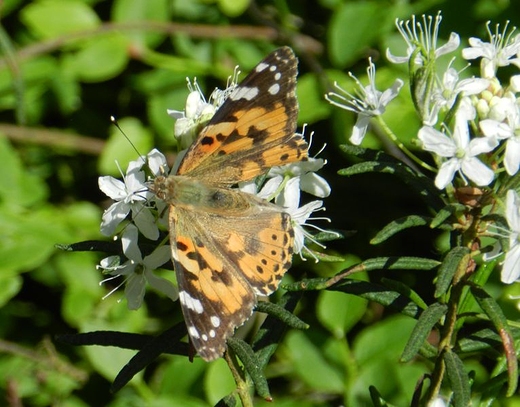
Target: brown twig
55,138
192,30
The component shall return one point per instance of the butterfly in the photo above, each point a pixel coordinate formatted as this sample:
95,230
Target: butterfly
228,247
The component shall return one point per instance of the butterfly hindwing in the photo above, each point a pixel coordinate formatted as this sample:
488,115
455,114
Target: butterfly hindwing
222,262
254,129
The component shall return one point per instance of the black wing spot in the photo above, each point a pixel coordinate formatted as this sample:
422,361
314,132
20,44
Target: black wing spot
207,141
182,246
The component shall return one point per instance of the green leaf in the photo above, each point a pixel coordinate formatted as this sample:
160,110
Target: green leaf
100,59
458,378
378,161
445,213
10,285
497,317
282,314
398,225
52,18
142,11
339,312
379,294
422,330
357,24
313,106
455,262
311,366
251,365
218,381
119,149
402,288
233,8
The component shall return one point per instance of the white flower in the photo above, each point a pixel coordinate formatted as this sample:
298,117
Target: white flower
462,153
511,266
138,271
510,131
370,102
423,36
445,95
290,201
131,195
500,51
198,111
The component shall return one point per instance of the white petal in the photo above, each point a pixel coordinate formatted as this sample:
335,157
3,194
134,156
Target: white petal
493,128
476,171
513,210
134,290
158,257
162,285
129,243
512,157
360,129
157,162
481,145
511,267
437,142
145,221
450,46
446,173
113,216
290,197
315,185
112,187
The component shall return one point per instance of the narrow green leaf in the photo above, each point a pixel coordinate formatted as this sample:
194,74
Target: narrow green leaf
422,329
459,380
445,213
251,365
456,259
282,314
379,294
497,317
377,399
378,263
270,333
483,340
405,290
398,225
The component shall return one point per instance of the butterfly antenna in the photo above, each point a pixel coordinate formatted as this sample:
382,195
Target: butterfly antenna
115,123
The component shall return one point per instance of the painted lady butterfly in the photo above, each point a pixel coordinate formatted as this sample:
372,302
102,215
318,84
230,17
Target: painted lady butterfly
229,246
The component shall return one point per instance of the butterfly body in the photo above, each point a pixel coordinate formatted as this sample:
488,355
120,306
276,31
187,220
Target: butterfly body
229,246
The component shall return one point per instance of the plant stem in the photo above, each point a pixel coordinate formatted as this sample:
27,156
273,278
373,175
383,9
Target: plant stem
240,380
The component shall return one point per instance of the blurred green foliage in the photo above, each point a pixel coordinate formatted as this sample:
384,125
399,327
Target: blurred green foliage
67,66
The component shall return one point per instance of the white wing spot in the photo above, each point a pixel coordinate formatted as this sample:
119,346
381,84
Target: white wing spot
204,337
215,321
261,66
193,332
212,333
274,89
277,76
191,303
244,93
272,68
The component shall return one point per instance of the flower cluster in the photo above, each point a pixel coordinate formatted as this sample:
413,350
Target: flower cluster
132,196
471,125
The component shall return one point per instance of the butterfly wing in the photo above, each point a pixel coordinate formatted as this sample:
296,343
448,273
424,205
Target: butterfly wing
222,260
254,129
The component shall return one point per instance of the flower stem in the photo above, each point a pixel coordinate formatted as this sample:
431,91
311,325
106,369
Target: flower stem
401,146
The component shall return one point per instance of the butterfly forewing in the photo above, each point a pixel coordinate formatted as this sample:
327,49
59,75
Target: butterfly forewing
254,129
229,246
